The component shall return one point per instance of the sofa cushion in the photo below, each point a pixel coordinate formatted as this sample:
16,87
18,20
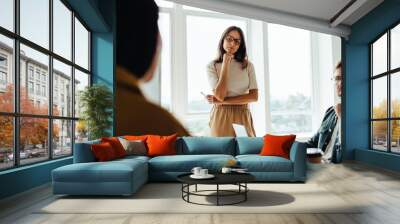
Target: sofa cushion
185,163
135,147
132,158
277,145
249,145
111,171
103,152
206,145
83,152
257,163
116,145
161,145
135,137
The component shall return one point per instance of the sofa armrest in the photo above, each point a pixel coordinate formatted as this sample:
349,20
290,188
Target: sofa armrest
298,157
83,152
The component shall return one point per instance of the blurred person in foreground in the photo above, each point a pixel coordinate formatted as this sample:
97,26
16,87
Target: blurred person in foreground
137,54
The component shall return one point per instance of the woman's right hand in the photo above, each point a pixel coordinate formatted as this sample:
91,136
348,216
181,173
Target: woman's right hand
227,57
212,100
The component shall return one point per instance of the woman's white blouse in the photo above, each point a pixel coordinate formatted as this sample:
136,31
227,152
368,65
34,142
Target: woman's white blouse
240,81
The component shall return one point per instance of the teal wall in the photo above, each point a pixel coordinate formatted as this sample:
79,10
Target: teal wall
103,55
356,95
99,16
24,178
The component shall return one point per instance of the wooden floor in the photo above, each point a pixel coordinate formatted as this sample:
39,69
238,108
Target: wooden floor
377,188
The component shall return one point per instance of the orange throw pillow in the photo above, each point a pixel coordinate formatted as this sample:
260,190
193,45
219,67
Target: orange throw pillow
103,151
116,145
161,145
135,137
277,145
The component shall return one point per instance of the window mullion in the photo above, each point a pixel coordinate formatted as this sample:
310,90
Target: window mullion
389,113
50,81
178,55
371,142
73,82
267,83
16,84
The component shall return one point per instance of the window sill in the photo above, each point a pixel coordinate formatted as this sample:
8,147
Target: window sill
26,167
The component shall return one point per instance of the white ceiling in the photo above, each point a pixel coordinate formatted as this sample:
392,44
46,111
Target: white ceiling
319,9
315,15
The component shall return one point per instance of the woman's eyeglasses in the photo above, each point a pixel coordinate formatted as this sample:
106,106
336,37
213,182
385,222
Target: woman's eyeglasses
230,39
336,79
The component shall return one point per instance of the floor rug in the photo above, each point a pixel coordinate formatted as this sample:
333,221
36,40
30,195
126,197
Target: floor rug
167,198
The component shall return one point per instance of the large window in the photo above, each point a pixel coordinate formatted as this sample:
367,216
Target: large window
198,56
385,94
190,108
292,99
40,80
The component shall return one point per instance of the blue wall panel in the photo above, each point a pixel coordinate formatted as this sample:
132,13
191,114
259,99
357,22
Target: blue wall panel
103,56
380,159
357,84
357,98
24,178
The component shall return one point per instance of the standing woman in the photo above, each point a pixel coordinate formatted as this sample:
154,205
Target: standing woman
233,81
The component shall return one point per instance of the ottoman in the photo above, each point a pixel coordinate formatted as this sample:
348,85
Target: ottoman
119,177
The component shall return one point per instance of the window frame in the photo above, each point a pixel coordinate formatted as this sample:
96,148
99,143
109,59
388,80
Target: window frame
179,81
388,74
16,115
178,22
214,15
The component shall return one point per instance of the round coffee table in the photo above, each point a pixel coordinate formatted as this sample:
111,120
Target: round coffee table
238,179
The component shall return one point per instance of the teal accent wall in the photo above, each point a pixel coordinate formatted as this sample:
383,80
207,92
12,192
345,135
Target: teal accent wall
356,96
99,15
24,178
90,12
103,54
379,159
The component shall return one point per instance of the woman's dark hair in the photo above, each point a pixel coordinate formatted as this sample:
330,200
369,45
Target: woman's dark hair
338,65
241,53
137,33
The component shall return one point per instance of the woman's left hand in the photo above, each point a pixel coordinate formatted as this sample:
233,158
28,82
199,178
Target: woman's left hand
212,100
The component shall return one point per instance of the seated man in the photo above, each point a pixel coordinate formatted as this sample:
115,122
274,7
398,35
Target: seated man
327,137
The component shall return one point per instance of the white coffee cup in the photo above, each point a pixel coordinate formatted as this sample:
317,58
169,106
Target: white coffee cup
196,171
203,172
226,170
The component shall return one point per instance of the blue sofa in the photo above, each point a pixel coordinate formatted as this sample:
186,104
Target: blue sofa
125,176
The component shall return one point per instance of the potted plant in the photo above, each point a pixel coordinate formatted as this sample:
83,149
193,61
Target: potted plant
96,105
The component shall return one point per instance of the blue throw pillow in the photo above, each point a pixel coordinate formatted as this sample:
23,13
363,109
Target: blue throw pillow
249,145
206,145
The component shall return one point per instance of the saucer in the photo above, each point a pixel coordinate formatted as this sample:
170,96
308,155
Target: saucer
208,176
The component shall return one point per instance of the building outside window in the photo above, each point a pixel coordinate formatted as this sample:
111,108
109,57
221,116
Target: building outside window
43,77
38,90
3,72
43,90
3,61
37,75
30,72
3,78
30,87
